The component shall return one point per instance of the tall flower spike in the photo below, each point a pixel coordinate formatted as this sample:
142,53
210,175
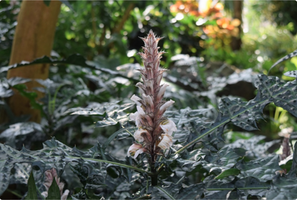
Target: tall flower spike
154,133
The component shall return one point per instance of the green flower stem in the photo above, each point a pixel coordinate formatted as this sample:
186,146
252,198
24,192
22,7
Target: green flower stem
15,193
111,162
245,188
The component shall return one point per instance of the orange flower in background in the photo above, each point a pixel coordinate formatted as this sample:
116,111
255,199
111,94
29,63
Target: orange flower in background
202,8
225,27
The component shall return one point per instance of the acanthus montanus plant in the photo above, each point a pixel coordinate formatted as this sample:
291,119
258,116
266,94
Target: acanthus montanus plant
154,134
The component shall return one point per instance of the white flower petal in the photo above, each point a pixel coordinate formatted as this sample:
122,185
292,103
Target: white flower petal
136,99
149,84
166,142
133,116
162,90
168,126
139,151
45,194
140,110
65,195
166,105
148,100
137,116
137,135
134,150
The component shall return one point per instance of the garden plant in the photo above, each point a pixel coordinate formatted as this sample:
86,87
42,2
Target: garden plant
158,152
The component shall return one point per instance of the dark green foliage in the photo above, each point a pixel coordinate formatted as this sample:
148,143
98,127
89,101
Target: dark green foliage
7,27
200,165
32,191
54,191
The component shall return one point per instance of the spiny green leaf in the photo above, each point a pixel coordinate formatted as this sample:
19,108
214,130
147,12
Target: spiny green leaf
290,55
56,154
283,94
74,59
263,169
244,115
291,73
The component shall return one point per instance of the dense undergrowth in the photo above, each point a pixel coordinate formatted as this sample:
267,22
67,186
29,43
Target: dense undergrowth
235,134
203,162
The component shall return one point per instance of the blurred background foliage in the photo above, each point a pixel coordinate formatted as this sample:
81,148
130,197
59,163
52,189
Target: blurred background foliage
202,28
198,38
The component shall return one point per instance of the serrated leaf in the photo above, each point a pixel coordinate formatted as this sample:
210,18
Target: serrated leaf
228,172
55,154
17,80
113,112
290,55
5,92
74,59
283,188
270,89
32,191
245,120
282,93
291,74
255,147
263,169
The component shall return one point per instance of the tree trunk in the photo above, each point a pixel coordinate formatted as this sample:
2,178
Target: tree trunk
236,41
33,38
